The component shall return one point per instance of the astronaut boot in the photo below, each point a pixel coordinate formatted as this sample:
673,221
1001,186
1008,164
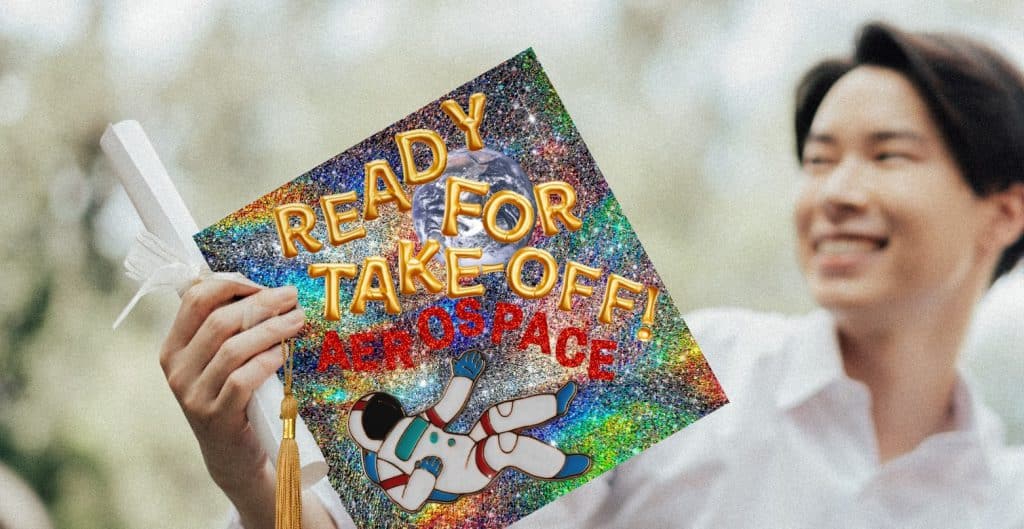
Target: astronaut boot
575,465
564,396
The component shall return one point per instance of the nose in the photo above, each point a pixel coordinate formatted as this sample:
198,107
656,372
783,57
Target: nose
844,192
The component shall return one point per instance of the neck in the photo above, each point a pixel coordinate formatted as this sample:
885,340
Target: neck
907,359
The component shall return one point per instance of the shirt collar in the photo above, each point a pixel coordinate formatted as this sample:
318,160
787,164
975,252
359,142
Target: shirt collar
814,362
972,417
812,359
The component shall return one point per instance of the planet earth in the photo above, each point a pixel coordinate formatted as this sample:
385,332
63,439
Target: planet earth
484,165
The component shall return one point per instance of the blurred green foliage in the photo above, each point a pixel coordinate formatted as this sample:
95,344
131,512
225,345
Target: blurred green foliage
684,105
59,471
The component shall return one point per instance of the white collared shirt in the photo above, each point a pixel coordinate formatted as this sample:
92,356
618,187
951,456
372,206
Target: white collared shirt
794,448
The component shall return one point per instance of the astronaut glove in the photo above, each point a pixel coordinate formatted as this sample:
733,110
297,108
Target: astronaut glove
431,464
469,365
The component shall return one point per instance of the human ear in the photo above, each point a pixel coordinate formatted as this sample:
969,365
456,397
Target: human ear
1006,225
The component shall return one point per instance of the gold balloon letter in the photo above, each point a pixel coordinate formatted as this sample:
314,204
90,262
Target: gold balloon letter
375,267
562,211
332,273
521,229
570,286
411,267
433,141
456,272
288,234
612,299
514,273
380,170
454,206
469,124
335,218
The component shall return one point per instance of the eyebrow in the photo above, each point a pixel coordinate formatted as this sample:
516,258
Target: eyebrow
875,137
885,135
816,137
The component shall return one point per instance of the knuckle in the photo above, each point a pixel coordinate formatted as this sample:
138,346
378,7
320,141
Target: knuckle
266,364
194,298
219,322
235,382
165,360
202,414
199,408
229,350
176,382
192,404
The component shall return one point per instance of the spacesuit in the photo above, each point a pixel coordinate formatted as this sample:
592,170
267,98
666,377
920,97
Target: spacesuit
415,459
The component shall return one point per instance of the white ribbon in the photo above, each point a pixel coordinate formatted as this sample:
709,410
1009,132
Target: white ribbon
156,267
153,264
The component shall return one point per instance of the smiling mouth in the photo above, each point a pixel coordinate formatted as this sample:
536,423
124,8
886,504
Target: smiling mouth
849,245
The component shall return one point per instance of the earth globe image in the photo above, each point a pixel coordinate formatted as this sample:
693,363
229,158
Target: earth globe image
484,165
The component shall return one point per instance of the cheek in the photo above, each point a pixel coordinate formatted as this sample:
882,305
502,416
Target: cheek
803,214
940,237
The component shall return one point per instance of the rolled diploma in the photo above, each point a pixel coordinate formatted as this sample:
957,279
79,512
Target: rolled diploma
164,214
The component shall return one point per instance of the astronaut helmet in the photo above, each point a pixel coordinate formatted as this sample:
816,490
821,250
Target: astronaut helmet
372,417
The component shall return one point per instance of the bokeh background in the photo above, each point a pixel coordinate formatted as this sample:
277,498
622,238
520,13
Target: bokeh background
685,105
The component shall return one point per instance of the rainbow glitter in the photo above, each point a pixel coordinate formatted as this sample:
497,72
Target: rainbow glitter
659,386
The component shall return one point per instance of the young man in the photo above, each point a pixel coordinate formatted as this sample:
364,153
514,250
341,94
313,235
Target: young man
852,416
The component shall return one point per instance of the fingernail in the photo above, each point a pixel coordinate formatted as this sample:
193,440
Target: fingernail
286,293
296,315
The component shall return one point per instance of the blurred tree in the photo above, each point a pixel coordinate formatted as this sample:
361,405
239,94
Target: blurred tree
72,481
58,470
683,104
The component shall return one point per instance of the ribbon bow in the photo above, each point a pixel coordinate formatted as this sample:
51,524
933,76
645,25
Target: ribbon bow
157,267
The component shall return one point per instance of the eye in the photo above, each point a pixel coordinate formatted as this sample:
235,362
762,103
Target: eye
816,162
889,156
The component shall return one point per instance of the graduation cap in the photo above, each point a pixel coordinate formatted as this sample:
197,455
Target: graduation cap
485,331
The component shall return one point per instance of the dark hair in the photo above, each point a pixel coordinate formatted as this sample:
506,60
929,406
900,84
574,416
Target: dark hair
975,96
381,414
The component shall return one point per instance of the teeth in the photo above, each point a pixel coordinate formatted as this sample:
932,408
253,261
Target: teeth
845,246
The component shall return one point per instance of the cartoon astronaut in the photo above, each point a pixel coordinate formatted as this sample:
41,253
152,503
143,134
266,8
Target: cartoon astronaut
415,459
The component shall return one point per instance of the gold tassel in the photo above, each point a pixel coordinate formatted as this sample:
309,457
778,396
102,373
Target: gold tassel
289,478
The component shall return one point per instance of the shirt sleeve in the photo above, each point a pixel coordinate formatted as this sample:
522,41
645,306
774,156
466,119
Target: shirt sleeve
622,496
233,521
332,503
580,508
573,510
673,474
325,494
734,341
715,331
671,479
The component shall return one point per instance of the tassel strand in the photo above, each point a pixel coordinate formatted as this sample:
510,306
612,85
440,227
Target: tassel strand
288,508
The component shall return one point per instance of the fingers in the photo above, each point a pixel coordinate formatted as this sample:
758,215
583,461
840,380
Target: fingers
240,348
238,387
185,366
228,320
197,304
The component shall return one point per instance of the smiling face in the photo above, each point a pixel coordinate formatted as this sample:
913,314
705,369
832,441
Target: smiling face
884,219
